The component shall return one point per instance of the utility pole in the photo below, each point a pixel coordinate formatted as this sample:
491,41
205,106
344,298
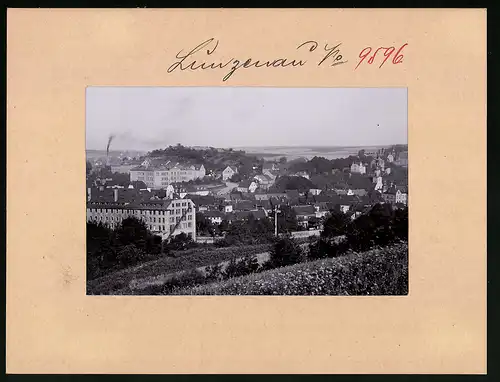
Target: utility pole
276,211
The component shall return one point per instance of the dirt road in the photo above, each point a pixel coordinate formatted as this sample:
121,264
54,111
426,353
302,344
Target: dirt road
226,190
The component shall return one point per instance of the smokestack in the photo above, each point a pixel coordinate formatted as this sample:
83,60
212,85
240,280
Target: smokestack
115,192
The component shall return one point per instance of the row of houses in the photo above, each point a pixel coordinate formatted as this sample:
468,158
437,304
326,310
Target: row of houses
306,214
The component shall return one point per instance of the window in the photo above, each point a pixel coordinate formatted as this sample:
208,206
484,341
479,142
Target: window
172,220
154,220
177,212
190,217
183,210
190,224
184,204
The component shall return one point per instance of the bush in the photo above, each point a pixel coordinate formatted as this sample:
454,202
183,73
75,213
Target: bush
192,258
324,248
180,242
129,255
285,251
376,272
241,267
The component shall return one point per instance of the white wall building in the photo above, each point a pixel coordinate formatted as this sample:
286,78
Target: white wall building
228,172
358,168
162,176
162,217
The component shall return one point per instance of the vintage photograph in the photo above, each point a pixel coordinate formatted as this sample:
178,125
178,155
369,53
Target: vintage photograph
246,191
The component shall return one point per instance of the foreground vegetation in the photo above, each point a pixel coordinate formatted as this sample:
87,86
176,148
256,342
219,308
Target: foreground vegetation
381,227
375,272
189,259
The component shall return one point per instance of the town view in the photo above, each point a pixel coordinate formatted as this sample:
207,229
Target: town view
188,219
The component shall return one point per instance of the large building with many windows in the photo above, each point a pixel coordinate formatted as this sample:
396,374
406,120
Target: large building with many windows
162,217
163,175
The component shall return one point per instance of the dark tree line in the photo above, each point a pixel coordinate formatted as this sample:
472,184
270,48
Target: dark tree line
129,244
380,226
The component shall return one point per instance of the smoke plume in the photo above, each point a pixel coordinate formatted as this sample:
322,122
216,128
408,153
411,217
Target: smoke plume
110,139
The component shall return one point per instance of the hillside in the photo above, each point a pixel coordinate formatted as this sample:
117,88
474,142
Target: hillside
187,260
376,272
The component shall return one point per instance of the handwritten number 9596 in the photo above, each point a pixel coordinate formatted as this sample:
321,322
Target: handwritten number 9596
397,56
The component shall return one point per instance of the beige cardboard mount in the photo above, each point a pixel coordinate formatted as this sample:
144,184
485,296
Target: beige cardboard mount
53,327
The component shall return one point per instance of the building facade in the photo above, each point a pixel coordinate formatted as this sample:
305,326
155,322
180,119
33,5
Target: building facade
401,197
162,217
358,168
402,159
162,176
228,172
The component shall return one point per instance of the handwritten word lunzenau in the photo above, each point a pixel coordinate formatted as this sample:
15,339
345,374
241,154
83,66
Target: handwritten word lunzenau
397,58
196,59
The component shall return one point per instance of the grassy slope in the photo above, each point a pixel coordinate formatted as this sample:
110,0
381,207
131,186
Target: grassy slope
376,272
190,259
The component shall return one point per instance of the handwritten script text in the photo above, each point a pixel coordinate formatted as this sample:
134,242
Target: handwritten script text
196,59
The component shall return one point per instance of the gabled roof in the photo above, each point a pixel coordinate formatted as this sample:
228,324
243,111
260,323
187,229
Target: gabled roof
242,205
264,203
213,214
199,200
245,184
359,192
141,168
304,210
235,196
242,215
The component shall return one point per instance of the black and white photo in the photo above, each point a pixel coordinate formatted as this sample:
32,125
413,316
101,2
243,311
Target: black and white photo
246,191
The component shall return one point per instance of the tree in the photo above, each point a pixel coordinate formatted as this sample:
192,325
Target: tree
287,219
100,249
335,224
179,242
360,233
89,167
204,226
285,251
283,160
313,222
133,231
320,249
293,183
154,244
236,178
400,224
223,226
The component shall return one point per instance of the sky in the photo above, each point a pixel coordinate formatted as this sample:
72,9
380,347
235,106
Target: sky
147,118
